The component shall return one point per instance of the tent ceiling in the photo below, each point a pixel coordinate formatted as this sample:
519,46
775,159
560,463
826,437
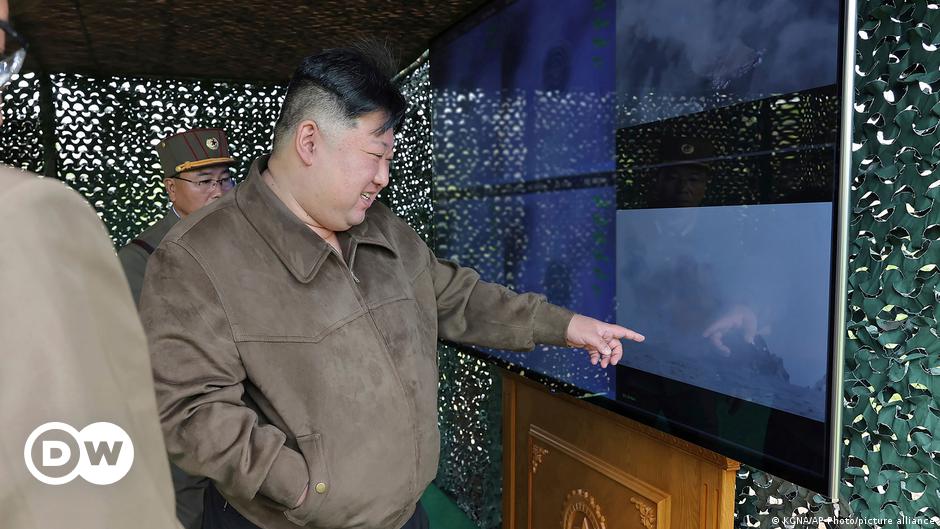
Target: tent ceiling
218,39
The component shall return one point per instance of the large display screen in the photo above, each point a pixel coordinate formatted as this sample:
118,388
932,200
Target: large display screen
670,165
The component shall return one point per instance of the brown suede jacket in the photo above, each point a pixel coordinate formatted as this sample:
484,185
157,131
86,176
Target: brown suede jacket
277,364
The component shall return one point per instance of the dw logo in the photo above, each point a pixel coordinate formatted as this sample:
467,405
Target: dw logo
102,453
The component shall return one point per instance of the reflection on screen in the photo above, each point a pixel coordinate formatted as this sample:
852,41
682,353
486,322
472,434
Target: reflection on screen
527,243
524,160
524,91
707,54
733,299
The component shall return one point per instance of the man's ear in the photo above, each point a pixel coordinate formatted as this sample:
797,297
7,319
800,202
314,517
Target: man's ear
307,140
170,184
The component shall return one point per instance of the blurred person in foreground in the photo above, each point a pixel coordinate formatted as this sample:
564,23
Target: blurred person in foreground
73,352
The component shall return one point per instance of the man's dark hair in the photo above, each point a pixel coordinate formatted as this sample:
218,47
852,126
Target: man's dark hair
337,86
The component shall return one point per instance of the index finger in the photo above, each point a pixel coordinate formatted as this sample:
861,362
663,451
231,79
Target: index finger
623,332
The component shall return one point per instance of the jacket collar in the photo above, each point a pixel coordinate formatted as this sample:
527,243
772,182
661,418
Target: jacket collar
301,250
367,232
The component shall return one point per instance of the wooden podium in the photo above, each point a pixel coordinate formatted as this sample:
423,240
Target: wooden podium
568,464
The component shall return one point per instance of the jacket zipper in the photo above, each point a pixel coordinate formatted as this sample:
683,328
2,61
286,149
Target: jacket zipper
388,355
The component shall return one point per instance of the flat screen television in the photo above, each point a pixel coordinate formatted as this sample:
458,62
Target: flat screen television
672,165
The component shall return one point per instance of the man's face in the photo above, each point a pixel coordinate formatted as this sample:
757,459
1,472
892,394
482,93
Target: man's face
203,186
682,185
693,183
351,167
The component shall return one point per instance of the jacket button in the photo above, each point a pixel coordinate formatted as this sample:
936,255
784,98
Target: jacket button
320,488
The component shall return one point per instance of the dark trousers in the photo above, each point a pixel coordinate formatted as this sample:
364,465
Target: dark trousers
220,515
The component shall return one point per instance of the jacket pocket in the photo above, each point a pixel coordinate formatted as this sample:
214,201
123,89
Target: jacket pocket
311,446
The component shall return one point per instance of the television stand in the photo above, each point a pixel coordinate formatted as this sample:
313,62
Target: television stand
572,465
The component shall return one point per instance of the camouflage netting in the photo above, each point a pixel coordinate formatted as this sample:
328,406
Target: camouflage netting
20,134
893,349
107,129
104,134
409,193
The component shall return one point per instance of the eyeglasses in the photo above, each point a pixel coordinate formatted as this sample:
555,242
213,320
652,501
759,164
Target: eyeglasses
210,184
14,53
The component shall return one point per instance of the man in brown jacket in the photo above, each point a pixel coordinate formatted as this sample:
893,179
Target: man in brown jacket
296,365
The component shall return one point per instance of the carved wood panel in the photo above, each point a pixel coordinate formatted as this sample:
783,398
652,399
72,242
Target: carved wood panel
587,490
571,465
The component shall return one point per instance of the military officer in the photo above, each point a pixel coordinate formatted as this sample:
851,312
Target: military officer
196,171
